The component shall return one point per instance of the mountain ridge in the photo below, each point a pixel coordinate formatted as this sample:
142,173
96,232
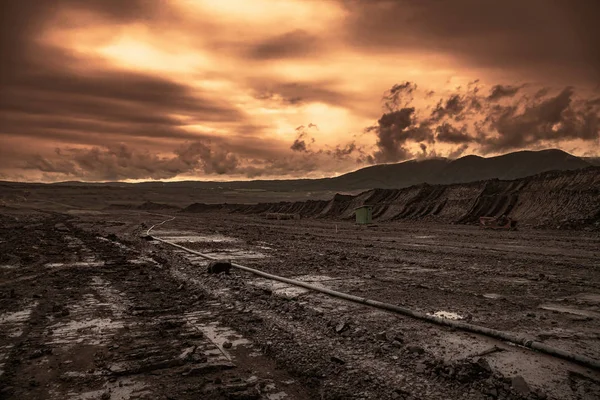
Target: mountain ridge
466,169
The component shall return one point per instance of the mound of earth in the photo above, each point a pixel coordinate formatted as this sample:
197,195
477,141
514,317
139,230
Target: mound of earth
558,199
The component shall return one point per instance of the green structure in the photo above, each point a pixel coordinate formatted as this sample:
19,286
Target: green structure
364,214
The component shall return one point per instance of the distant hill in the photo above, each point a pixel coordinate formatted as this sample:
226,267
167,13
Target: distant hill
508,166
400,175
592,160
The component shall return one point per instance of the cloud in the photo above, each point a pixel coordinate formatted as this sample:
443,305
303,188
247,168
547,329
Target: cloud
118,162
548,119
449,134
202,89
394,130
499,91
521,121
294,44
564,40
303,135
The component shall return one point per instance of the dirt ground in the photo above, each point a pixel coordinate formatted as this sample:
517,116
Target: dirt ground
89,310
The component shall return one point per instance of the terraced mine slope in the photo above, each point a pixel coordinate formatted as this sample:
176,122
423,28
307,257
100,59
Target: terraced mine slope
560,199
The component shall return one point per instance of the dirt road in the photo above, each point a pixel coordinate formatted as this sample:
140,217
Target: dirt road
89,310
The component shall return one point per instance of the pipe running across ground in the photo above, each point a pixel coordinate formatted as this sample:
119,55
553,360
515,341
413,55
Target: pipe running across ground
493,333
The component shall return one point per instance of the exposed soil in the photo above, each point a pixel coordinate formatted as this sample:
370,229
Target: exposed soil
563,200
91,310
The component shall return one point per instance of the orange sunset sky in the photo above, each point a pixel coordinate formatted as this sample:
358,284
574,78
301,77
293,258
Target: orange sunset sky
101,90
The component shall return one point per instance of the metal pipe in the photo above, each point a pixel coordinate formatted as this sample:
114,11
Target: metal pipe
506,336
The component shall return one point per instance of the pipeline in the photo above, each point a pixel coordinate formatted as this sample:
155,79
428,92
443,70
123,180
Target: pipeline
493,333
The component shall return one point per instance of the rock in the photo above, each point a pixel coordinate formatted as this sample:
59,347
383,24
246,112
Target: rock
415,349
493,392
341,327
187,353
520,386
337,360
394,336
420,368
218,267
484,364
227,345
380,336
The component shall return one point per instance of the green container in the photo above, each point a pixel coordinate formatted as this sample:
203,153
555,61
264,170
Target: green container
364,215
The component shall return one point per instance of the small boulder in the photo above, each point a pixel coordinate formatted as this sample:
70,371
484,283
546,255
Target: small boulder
218,267
520,386
415,349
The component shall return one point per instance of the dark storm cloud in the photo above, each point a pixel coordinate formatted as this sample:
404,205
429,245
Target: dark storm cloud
550,119
114,102
295,44
500,91
42,97
394,130
119,161
520,121
447,133
303,138
400,95
452,107
293,93
559,37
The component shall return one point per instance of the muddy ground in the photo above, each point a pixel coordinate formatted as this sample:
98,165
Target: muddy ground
88,310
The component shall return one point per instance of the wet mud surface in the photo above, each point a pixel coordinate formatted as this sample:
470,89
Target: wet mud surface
90,310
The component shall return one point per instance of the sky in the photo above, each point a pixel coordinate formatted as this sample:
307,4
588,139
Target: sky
107,90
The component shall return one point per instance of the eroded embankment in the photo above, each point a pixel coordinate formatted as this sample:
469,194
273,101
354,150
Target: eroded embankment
565,199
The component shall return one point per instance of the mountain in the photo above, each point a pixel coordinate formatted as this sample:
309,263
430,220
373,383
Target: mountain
592,160
508,166
443,171
399,175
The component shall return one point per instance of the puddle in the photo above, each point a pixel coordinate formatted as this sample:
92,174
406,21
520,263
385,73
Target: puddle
121,245
121,389
418,269
192,237
142,260
589,297
290,291
520,281
278,288
277,396
93,331
236,254
76,264
11,325
84,212
216,333
447,315
221,334
570,310
493,296
113,298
